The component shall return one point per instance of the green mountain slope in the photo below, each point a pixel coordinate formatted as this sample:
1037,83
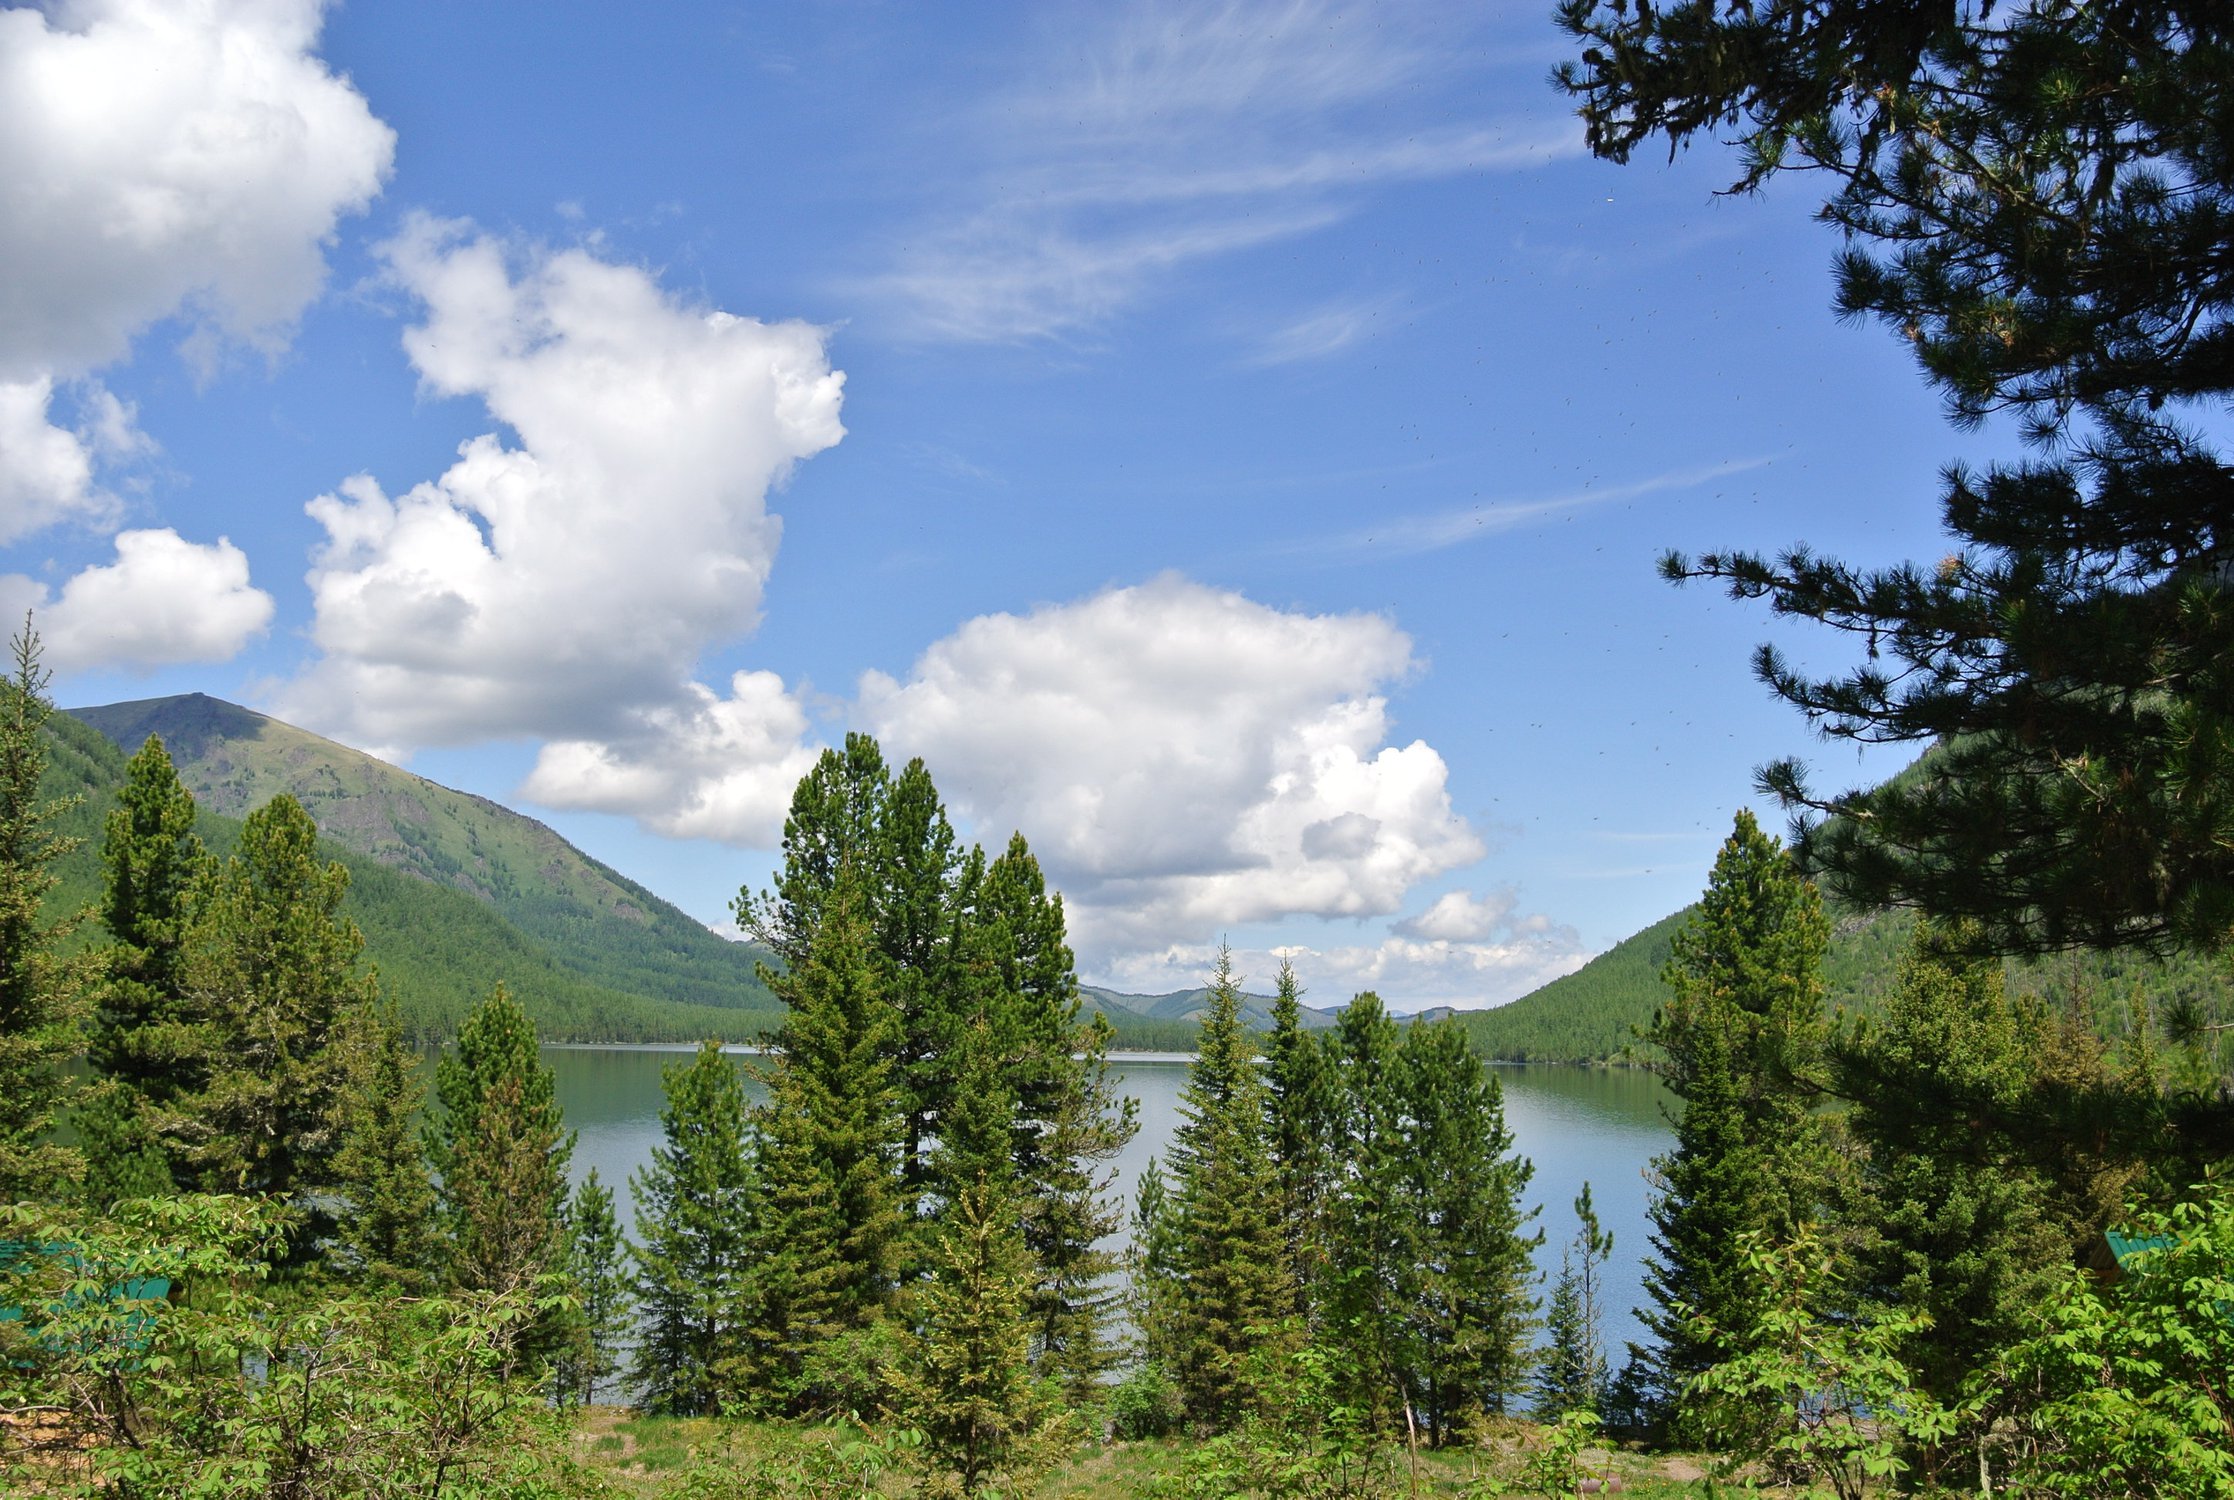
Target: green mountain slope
439,947
591,921
1593,1014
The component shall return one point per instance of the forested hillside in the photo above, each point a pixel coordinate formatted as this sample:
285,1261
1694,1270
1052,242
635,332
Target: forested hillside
592,921
439,950
1595,1013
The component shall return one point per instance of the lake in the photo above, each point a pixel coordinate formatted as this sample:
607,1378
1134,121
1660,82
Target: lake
1603,1125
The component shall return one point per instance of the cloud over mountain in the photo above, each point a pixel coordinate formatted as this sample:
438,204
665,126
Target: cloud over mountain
562,584
1182,757
164,602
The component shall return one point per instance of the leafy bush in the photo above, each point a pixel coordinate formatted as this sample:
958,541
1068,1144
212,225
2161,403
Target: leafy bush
1145,1404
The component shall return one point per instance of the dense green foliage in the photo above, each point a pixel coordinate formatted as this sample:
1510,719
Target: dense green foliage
1575,1375
41,987
1226,1281
1741,1039
389,1231
597,1270
499,1150
694,1233
2035,197
219,1389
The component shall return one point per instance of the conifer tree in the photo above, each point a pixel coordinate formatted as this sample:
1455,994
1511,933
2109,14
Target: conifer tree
1229,1287
1299,1115
271,971
1474,1310
1152,1280
832,1224
41,989
1741,1034
1376,1251
1066,1125
500,1149
388,1231
1954,1218
141,1040
1574,1376
921,897
695,1218
597,1272
916,894
965,1374
964,1377
2034,197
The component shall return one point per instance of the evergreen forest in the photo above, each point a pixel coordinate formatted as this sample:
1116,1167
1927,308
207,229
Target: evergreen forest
1947,1206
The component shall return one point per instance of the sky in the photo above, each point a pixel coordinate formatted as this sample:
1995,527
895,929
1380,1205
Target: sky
1229,443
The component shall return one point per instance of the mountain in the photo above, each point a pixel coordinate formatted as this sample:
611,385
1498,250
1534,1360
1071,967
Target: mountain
453,891
1190,1006
1594,1014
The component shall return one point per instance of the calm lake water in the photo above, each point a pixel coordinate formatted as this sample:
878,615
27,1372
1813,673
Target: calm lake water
1574,1124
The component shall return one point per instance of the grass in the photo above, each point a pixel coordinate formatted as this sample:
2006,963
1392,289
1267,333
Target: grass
640,1456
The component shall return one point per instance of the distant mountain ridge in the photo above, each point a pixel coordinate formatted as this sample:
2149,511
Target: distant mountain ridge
1190,1006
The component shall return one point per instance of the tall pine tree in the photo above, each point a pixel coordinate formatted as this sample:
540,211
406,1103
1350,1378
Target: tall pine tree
597,1274
833,1224
1229,1286
271,972
500,1148
141,1040
1574,1375
388,1231
1954,1217
1474,1310
1066,1125
1741,1039
41,988
1300,1111
695,1216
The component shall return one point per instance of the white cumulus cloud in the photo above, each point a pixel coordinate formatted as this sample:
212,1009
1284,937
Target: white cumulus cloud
168,155
1182,757
165,601
562,585
708,767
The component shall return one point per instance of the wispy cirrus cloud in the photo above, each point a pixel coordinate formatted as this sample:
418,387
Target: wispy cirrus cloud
1327,330
1173,134
1404,536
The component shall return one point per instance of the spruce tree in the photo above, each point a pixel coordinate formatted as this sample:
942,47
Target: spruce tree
1954,1217
1066,1125
271,973
1474,1309
964,1377
1574,1375
41,989
1741,1039
1229,1287
388,1232
696,1209
1376,1250
141,1040
916,893
597,1274
1300,1109
832,1225
500,1149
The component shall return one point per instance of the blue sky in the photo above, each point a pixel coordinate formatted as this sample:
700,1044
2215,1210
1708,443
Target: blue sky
1229,443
